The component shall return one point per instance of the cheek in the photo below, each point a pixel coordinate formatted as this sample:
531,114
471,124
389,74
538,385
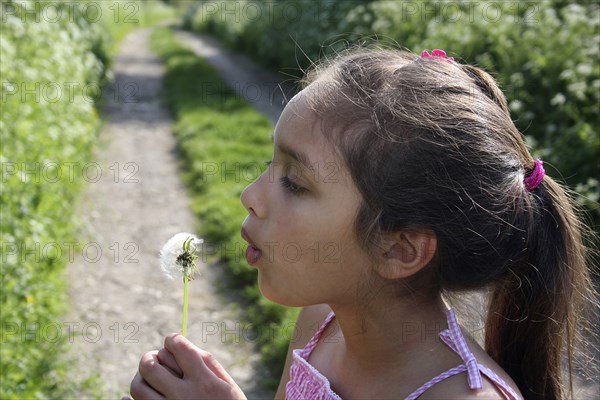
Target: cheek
294,217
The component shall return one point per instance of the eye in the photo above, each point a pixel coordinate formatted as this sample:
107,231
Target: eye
268,162
291,186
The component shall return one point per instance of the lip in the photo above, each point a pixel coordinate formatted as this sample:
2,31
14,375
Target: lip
247,237
253,253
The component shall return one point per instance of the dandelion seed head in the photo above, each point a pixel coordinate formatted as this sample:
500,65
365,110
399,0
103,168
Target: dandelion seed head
174,260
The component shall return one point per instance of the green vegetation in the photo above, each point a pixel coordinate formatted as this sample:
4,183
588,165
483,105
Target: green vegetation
223,142
119,17
544,54
54,58
42,133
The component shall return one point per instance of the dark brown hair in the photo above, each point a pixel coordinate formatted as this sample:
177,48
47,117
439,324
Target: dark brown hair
431,144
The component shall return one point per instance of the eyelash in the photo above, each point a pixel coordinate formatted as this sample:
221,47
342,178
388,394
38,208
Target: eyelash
288,184
291,186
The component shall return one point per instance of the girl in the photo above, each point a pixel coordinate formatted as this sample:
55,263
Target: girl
411,172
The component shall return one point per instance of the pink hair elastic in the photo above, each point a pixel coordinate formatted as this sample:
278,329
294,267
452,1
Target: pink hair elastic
536,176
437,53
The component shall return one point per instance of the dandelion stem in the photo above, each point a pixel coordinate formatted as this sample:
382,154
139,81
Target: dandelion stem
185,305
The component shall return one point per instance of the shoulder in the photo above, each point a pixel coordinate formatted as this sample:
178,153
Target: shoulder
456,387
309,320
308,323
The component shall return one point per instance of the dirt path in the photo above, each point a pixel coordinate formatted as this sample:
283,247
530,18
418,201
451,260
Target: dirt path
260,87
122,305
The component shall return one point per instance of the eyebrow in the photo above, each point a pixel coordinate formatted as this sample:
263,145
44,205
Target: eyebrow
299,156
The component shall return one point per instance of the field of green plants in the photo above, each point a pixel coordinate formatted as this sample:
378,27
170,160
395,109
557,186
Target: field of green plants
55,57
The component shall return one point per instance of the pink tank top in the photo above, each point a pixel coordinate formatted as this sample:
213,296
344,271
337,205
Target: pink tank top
306,383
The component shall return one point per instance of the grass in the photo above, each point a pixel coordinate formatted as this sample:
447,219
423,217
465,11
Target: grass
223,142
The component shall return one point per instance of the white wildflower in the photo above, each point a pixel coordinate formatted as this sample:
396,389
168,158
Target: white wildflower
175,260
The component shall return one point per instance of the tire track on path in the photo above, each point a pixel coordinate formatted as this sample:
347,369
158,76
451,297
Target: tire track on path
122,305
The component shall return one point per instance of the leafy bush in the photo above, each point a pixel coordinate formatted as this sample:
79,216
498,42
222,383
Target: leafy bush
47,134
544,55
53,56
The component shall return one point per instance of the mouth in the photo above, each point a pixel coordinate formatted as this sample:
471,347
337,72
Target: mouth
253,253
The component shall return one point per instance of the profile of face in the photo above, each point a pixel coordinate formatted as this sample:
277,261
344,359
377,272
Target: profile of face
301,213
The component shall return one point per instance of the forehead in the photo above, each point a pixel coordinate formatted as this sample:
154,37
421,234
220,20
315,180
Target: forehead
297,116
300,128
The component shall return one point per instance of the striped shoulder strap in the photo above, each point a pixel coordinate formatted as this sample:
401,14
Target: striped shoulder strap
315,339
454,338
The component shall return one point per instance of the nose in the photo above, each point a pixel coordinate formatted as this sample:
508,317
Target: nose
252,198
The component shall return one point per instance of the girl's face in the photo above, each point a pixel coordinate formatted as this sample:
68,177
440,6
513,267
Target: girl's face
301,215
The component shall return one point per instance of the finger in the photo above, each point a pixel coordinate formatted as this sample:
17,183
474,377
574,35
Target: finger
166,358
140,390
194,360
186,354
211,362
156,375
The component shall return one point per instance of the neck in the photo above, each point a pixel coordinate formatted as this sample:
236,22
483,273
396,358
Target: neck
380,333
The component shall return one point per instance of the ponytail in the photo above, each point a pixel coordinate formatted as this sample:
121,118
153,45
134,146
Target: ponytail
536,311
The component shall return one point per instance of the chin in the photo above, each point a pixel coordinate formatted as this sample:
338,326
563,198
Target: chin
276,296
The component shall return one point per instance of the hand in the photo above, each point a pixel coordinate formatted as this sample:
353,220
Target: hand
182,371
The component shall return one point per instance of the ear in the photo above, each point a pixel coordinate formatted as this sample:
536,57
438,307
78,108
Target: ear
406,252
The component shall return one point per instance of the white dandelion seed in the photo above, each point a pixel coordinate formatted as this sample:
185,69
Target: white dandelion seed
175,261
